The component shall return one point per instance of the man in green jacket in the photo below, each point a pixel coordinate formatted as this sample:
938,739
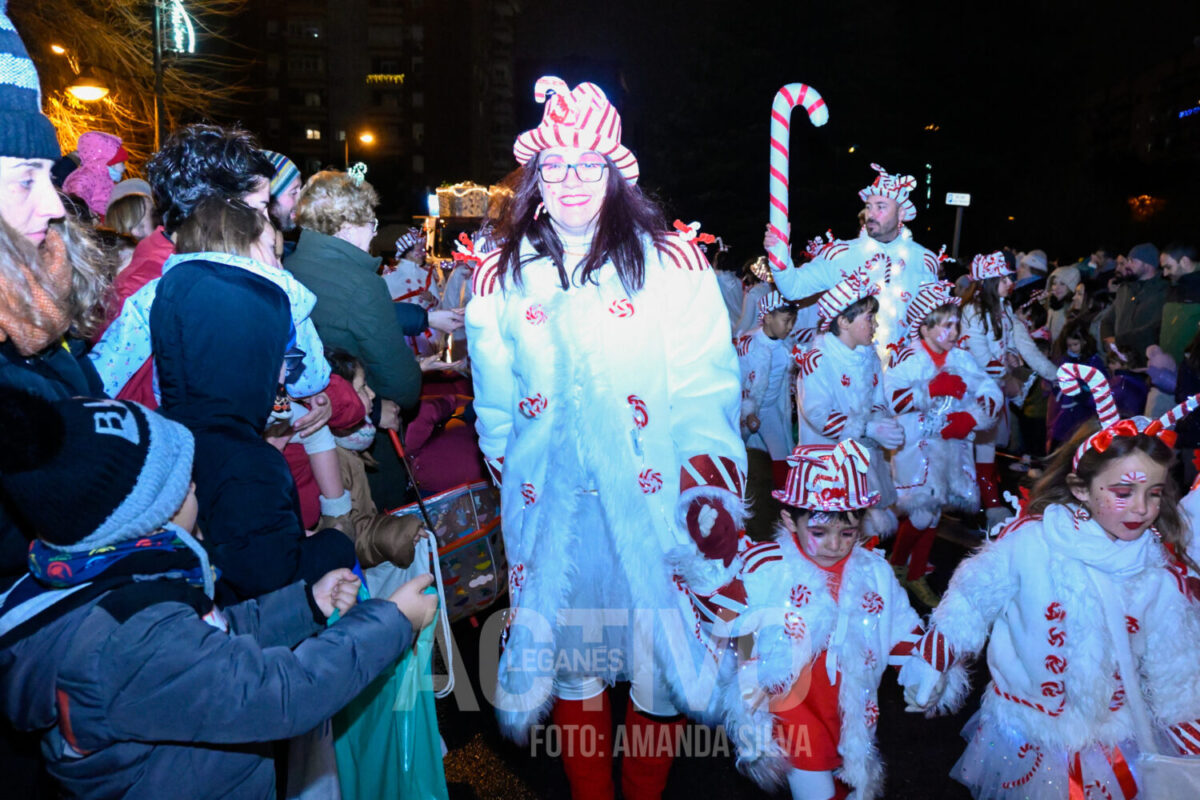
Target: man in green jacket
1136,316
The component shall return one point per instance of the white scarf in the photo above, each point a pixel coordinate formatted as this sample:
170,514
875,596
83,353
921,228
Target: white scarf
1086,541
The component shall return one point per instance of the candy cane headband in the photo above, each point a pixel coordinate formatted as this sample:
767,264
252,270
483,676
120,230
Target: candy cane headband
1072,378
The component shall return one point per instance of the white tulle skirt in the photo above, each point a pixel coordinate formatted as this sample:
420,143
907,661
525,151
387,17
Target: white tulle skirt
1000,763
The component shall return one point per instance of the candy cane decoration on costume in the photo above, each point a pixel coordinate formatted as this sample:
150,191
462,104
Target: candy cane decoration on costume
787,98
1170,419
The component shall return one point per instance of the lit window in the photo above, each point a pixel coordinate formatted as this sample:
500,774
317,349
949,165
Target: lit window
313,134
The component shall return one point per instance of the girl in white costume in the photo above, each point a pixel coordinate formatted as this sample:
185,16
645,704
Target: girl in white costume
607,389
994,339
1092,639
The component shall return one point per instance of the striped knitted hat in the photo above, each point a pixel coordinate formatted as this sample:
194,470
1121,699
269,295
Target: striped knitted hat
25,132
929,296
285,171
896,187
854,287
993,265
826,477
771,301
581,118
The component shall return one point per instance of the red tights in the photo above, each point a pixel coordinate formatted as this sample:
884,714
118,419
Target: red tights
912,546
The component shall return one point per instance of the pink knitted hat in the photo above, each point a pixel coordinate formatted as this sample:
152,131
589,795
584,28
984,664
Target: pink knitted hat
581,118
896,187
826,477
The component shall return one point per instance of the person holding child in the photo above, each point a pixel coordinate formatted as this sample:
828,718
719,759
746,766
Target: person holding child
941,398
1091,634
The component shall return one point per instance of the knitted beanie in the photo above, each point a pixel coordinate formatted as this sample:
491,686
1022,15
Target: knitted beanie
25,132
285,171
86,473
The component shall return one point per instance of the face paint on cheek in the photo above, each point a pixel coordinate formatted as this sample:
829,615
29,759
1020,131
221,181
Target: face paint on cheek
1133,477
1114,501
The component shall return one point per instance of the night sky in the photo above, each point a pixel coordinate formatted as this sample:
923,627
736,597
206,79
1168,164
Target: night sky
1008,87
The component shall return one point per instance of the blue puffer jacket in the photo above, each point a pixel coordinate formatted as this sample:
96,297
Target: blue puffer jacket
218,336
152,701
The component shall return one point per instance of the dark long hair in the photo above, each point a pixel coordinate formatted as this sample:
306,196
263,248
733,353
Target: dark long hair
985,296
626,216
1054,487
1074,329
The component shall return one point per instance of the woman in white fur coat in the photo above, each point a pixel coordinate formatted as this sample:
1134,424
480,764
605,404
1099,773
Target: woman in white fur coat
1092,639
607,393
994,339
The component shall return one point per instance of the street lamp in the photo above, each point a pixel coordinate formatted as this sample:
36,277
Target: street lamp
366,137
87,87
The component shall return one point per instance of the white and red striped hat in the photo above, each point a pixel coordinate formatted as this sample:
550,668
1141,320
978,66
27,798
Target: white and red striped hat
850,290
896,187
826,477
1074,378
993,265
930,296
581,118
771,301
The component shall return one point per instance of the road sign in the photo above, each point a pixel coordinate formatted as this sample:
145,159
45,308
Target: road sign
958,199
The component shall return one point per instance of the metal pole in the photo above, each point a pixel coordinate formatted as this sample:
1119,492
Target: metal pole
159,106
957,231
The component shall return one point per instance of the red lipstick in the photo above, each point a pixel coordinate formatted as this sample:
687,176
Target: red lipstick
1133,526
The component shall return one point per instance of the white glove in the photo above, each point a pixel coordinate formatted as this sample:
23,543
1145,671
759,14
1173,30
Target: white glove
887,432
923,685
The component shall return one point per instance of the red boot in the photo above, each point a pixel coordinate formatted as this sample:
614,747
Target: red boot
650,745
585,728
989,484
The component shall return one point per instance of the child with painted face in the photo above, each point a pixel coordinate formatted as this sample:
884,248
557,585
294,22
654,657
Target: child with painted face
940,396
840,620
1093,636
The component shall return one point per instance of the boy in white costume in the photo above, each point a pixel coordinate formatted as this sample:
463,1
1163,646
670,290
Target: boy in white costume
908,265
764,356
1091,635
839,389
940,397
828,617
607,393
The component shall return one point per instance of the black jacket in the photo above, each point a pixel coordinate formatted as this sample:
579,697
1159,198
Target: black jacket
218,335
60,372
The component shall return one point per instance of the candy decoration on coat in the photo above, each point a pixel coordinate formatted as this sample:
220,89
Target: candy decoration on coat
794,626
622,308
786,99
650,480
533,406
1022,752
535,314
872,603
800,595
641,415
528,493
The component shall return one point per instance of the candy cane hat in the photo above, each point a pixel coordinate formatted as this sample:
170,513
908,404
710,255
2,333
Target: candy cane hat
771,301
1073,378
930,296
853,287
992,265
826,477
896,187
581,118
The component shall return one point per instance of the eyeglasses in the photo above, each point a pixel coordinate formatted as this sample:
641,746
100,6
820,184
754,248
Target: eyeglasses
586,171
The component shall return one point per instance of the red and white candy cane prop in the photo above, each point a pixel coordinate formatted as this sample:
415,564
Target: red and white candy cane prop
787,98
1170,419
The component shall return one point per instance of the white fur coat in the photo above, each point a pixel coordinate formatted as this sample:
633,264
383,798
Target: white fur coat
590,392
